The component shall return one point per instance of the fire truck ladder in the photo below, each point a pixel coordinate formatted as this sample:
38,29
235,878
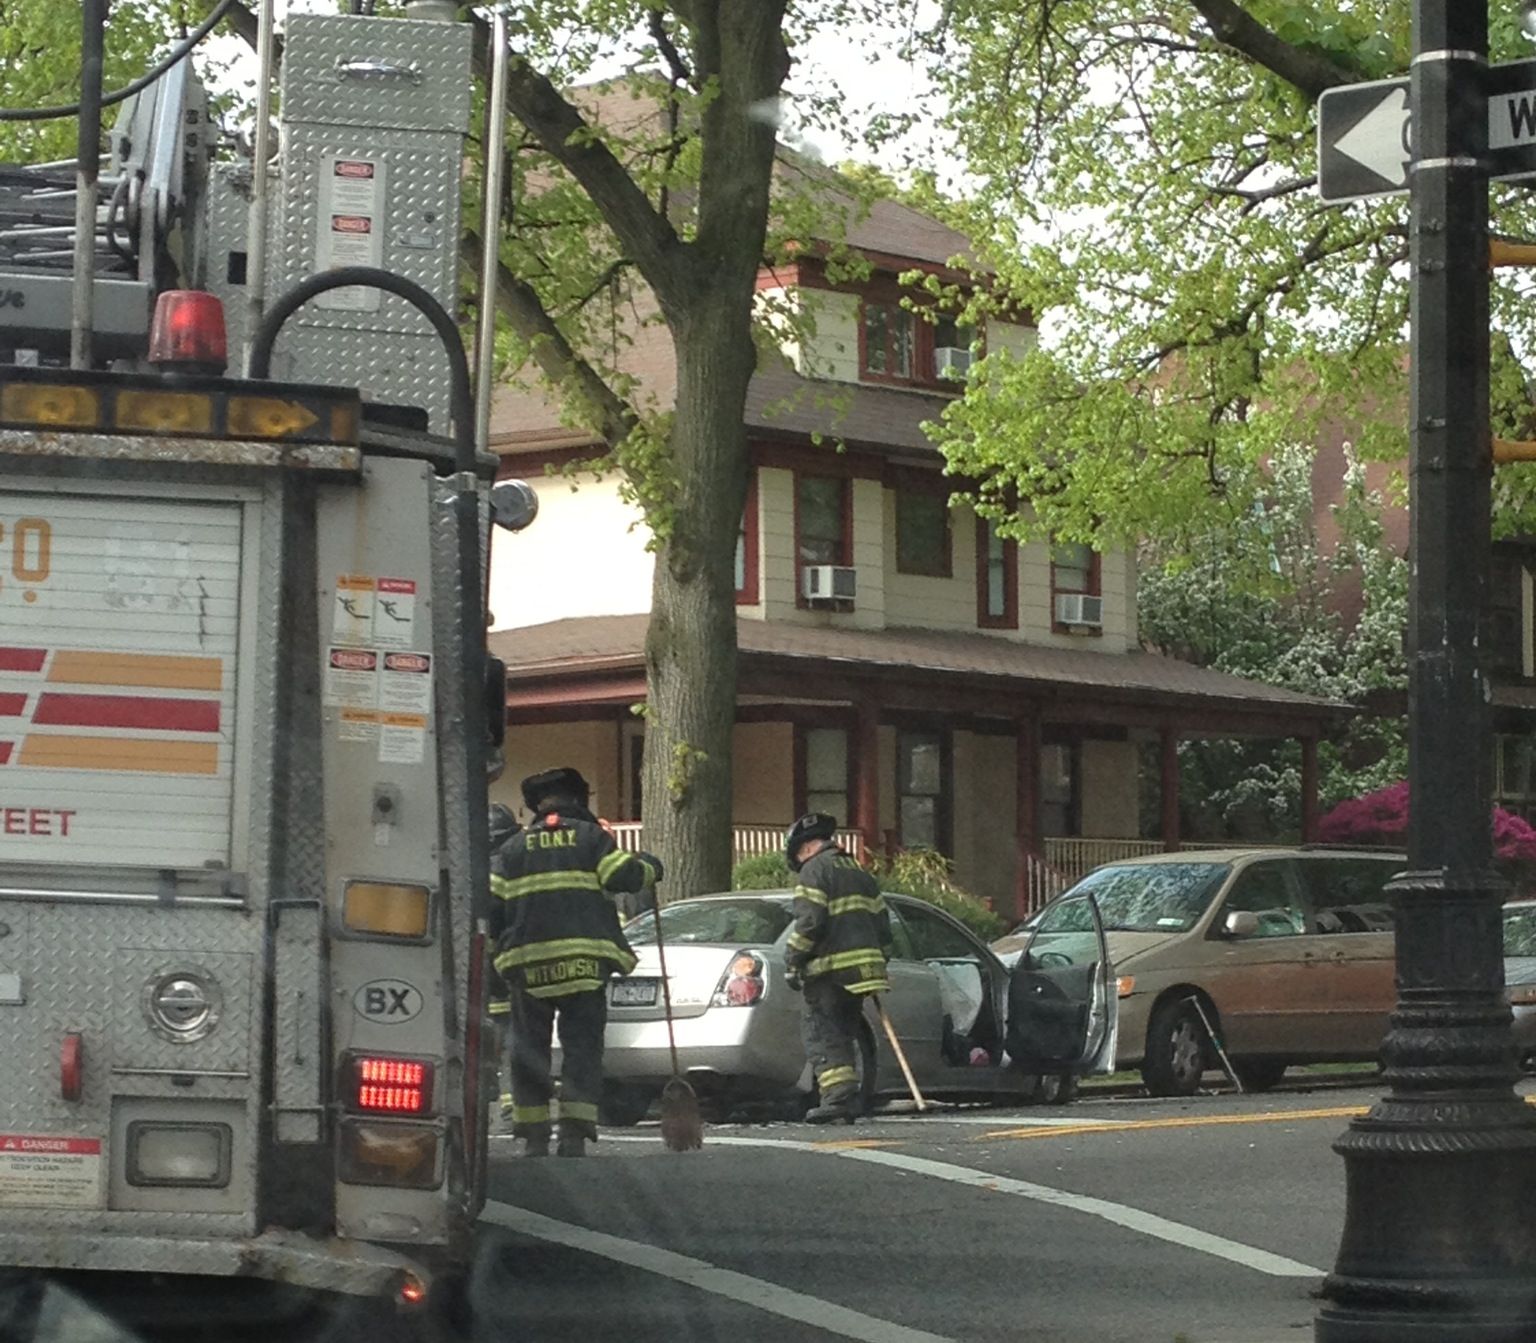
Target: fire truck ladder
148,183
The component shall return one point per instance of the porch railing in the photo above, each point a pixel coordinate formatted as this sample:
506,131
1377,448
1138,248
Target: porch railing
747,841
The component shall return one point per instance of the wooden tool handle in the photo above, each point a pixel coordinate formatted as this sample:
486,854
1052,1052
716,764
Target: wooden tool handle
901,1056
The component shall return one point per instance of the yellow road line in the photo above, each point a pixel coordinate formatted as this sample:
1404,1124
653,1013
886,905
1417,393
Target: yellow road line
853,1144
1192,1121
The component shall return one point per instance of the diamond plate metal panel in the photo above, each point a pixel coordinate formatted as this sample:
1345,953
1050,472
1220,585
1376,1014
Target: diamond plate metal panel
420,218
447,613
135,1044
349,70
408,369
298,941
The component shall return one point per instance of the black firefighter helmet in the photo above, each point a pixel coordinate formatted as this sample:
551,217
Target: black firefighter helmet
564,783
813,825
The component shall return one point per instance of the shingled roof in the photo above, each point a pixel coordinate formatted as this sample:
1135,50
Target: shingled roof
615,644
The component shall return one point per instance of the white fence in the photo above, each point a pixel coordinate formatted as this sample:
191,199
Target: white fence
748,841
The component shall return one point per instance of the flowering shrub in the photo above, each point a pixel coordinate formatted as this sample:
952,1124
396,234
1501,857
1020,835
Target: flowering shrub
1382,818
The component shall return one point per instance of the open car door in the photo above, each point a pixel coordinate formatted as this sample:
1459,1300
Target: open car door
1062,1005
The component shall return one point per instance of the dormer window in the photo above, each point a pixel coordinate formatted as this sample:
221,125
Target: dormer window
887,342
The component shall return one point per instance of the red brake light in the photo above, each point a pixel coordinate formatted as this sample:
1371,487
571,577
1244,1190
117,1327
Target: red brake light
189,330
743,982
390,1086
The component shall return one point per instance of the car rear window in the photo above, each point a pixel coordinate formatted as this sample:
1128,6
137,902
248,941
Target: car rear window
1152,897
743,923
1520,930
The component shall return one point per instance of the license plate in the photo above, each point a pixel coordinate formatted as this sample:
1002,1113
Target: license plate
633,992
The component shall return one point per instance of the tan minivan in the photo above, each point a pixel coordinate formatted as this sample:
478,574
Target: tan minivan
1289,951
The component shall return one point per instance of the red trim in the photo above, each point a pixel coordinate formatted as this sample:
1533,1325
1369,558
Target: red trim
748,593
846,557
1009,620
130,711
818,461
12,706
23,659
531,463
6,747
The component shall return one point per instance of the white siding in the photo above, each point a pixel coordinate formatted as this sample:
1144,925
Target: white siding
817,330
584,555
918,601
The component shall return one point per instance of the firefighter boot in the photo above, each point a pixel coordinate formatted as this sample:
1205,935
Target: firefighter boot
535,1139
839,1106
573,1138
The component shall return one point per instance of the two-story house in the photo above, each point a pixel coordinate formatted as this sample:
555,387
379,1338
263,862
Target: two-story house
901,664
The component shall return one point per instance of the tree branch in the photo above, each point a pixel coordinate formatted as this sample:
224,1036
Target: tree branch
1233,26
609,414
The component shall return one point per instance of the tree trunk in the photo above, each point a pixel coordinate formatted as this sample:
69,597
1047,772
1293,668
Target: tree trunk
690,649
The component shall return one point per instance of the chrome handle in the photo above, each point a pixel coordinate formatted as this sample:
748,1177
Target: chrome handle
377,71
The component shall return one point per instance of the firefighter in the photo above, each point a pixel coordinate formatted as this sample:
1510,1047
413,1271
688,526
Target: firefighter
558,942
503,825
836,956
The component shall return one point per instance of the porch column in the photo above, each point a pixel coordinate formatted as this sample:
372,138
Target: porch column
1026,822
1170,789
866,790
1309,790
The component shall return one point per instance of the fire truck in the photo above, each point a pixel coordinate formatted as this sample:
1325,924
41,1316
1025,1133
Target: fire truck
246,714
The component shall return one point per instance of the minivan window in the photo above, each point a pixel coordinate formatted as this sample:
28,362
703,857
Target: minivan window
1152,897
1266,891
1346,893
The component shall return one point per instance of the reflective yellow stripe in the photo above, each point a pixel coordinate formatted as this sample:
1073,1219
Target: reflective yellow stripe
836,1077
582,1110
530,1114
847,904
513,888
499,1007
566,946
800,942
869,986
810,893
610,863
841,960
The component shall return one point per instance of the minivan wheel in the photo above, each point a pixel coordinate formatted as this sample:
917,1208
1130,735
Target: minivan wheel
1258,1074
1175,1057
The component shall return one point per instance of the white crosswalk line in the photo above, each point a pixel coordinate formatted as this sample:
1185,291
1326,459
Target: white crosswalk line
707,1277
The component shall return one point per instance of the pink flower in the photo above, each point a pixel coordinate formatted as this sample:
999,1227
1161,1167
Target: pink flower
1382,818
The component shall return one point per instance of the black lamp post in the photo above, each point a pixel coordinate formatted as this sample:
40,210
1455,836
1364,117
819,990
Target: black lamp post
1440,1230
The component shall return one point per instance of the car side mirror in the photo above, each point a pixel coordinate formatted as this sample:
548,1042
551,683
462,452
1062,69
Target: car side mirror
1241,923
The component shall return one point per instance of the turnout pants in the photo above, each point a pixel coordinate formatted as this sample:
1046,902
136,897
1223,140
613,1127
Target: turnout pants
582,1017
829,1025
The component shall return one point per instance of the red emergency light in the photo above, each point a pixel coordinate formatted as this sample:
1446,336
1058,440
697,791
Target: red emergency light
188,332
389,1085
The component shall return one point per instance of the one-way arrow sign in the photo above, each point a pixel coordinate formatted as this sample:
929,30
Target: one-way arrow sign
1365,134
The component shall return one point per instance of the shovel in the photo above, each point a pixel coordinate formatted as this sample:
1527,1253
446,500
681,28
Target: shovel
682,1127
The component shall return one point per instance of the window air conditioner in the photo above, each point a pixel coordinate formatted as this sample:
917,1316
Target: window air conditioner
1077,608
828,583
951,361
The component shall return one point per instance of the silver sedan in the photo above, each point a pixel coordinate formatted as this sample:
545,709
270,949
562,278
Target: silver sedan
738,1023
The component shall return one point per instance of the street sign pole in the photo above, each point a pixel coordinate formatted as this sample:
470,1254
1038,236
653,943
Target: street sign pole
1440,1229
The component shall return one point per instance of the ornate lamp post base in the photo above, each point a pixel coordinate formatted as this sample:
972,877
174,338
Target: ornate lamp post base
1440,1231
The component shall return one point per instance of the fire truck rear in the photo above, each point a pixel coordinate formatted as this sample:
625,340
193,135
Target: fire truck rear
243,694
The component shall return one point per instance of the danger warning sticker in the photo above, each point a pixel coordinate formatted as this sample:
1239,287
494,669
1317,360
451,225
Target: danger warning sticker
351,678
41,1170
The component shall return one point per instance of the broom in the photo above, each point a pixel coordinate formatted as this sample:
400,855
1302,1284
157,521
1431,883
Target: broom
682,1127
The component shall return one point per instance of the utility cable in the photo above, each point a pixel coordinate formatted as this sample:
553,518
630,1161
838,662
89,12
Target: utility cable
178,53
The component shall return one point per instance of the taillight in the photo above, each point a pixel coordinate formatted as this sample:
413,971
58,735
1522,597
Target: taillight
390,1086
742,984
188,331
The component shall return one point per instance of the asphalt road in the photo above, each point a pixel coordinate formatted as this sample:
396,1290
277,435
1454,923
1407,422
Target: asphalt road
1113,1220
1203,1221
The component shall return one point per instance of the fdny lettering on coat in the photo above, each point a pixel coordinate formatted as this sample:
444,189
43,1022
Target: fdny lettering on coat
551,839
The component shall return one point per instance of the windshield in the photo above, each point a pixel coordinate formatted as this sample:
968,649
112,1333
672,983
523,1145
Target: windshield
748,923
1141,897
1520,930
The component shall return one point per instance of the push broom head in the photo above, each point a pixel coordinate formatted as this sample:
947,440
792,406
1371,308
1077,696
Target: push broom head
682,1128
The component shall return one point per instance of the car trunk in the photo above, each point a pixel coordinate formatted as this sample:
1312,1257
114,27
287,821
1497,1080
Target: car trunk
693,973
